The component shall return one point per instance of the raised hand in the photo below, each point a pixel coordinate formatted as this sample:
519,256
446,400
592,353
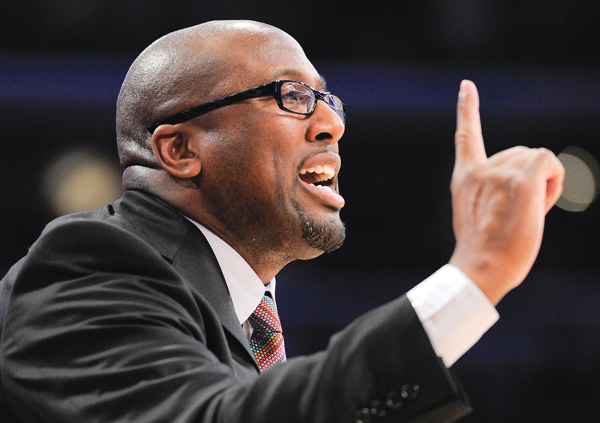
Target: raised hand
499,203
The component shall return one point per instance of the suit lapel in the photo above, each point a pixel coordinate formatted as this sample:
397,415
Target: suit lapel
186,248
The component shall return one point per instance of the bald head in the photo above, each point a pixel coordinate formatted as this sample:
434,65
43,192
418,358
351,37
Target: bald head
180,70
236,170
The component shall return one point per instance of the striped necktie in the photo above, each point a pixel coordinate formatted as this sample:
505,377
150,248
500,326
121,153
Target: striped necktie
267,338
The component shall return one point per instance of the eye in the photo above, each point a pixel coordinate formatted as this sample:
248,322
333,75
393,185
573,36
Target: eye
295,96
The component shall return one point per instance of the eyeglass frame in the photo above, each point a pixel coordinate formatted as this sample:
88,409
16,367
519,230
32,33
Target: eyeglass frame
269,89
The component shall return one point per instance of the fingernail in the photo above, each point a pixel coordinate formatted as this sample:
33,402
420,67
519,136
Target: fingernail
462,92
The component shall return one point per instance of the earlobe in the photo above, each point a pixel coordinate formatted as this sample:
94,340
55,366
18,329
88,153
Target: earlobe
176,152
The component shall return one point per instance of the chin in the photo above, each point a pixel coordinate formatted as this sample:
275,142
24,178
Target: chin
323,237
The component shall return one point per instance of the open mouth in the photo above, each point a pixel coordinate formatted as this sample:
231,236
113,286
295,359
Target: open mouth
319,176
320,180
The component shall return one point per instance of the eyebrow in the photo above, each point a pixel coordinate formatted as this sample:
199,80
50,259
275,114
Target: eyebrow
323,83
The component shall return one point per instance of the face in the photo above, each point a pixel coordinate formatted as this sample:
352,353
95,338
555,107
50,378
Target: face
269,177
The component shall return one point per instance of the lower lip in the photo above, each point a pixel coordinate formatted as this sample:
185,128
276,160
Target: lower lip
326,195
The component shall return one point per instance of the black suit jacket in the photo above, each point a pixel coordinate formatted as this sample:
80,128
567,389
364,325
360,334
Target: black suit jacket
122,315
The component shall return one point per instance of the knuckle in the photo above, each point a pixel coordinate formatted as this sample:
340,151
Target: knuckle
462,135
470,175
518,151
542,158
521,149
545,154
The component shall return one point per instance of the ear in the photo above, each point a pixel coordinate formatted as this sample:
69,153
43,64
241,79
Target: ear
176,152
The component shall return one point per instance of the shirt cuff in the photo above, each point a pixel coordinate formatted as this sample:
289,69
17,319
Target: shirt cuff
454,312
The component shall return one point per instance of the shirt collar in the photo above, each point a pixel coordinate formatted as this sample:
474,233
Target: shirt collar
244,285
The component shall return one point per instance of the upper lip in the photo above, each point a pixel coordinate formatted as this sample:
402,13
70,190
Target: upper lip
321,167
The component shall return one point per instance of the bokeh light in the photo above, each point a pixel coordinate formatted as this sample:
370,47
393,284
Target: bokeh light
80,180
582,179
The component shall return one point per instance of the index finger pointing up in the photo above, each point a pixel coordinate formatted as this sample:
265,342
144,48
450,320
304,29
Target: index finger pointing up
468,138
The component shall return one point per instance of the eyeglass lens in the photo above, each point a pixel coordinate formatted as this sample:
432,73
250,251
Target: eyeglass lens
298,98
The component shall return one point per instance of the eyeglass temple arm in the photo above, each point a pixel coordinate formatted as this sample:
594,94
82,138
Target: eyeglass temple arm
194,112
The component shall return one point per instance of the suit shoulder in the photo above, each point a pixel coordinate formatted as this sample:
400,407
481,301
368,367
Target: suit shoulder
91,240
104,215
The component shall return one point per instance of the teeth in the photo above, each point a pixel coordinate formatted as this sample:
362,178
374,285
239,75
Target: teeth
320,172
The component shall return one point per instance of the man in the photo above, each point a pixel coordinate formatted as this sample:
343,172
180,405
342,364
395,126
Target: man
143,310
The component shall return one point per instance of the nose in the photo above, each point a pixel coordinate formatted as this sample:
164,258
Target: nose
325,125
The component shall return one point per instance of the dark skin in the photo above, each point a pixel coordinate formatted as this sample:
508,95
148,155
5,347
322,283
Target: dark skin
241,180
237,169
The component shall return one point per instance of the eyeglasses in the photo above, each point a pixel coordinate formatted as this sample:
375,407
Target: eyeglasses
291,96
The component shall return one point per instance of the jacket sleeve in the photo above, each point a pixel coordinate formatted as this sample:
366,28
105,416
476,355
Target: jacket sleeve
100,328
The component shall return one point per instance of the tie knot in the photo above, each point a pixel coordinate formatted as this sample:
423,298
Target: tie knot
265,317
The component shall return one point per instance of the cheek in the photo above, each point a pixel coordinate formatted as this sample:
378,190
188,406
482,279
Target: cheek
244,173
257,150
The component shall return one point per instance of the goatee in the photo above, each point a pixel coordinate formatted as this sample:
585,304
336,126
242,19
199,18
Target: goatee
323,236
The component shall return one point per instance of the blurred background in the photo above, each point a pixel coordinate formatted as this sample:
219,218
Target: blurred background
398,68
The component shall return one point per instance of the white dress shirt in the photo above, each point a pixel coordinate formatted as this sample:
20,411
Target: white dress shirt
245,287
452,309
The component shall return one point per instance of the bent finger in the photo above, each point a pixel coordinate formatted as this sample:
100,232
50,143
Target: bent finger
555,178
545,167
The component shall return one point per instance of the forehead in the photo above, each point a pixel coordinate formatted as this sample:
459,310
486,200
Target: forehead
256,59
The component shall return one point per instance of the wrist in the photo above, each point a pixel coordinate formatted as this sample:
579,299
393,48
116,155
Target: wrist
491,278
